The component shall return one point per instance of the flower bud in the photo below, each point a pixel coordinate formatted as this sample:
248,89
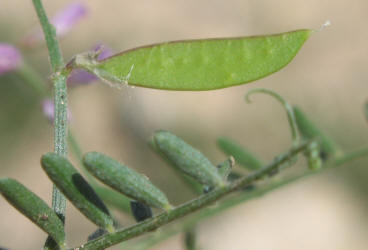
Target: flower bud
67,18
63,22
10,58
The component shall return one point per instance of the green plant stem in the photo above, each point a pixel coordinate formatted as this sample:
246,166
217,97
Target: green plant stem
34,80
56,58
191,206
245,196
351,156
60,105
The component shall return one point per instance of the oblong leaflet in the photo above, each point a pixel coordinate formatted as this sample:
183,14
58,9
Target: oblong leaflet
125,180
34,208
187,159
77,190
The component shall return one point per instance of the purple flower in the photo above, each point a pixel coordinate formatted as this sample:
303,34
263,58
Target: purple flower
10,58
67,18
48,110
63,22
80,76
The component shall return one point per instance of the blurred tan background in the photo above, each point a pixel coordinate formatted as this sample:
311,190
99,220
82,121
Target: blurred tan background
327,79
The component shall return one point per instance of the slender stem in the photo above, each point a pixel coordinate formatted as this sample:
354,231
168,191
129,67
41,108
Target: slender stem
34,80
352,156
214,210
260,191
56,58
75,147
191,206
60,104
60,135
289,110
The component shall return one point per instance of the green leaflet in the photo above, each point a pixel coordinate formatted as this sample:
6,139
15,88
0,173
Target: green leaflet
34,208
309,131
187,159
77,190
189,181
199,64
113,198
241,156
125,180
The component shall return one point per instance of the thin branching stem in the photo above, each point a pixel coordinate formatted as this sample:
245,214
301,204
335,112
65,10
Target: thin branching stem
60,104
240,198
191,206
289,111
60,98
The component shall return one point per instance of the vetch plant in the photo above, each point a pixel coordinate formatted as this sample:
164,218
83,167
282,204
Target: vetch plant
194,65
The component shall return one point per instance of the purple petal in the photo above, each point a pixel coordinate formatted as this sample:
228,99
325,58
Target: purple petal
63,22
105,51
10,58
68,17
48,110
80,76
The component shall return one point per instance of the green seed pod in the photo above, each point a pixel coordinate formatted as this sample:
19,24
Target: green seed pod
199,64
243,157
77,190
310,131
187,159
125,180
34,208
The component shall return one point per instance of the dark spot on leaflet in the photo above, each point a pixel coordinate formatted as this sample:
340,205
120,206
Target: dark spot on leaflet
140,210
323,155
86,190
99,232
234,176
